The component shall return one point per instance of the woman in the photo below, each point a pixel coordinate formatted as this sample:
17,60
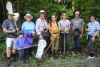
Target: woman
54,30
28,27
65,27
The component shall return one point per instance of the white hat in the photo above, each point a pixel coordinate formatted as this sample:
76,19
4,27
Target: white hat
28,15
77,12
11,13
42,11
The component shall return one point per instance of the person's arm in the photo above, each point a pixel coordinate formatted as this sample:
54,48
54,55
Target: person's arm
7,31
69,27
4,26
97,32
82,27
37,28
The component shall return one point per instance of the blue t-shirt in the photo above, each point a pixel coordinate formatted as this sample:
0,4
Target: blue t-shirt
28,27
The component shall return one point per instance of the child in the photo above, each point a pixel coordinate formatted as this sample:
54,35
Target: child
20,45
41,45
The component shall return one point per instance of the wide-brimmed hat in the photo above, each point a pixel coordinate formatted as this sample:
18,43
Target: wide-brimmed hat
77,12
42,11
11,13
28,15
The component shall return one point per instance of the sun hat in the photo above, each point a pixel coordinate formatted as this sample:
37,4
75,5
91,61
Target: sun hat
28,15
77,12
42,11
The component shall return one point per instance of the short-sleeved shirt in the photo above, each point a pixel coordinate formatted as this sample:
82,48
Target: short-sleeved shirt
9,25
64,25
28,27
93,27
77,23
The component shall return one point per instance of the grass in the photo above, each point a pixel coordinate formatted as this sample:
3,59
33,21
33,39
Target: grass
68,61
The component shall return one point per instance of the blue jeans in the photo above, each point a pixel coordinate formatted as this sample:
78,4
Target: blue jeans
76,43
64,41
90,45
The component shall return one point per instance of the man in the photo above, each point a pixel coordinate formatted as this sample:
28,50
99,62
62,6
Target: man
93,28
65,27
9,28
41,23
77,26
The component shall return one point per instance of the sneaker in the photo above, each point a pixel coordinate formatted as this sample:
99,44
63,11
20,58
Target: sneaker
90,57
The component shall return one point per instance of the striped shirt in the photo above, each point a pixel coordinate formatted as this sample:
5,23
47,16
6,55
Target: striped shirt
93,27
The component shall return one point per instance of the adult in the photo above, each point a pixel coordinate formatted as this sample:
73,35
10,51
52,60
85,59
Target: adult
41,24
65,27
28,27
9,28
54,29
93,28
77,26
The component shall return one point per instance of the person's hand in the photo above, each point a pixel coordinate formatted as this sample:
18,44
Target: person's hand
54,35
13,31
87,30
93,39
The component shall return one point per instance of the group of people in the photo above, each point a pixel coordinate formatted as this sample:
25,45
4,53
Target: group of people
23,41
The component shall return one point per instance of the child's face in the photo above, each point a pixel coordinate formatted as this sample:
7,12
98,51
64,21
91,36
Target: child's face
20,36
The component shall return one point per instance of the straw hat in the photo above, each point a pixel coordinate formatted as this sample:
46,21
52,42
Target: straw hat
28,15
77,12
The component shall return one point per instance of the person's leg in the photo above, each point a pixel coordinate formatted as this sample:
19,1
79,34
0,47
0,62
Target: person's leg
78,45
8,45
62,42
8,50
52,46
21,54
14,49
66,42
56,46
90,47
30,51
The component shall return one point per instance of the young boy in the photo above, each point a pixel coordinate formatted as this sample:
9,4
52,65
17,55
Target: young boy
20,45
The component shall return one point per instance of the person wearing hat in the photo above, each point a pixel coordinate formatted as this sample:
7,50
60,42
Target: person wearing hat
28,28
77,23
41,23
10,31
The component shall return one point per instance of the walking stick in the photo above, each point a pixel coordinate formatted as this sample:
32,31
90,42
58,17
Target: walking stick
50,45
64,44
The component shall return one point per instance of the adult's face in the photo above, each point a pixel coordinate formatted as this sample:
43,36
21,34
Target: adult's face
77,15
10,17
53,18
64,16
92,18
42,16
28,18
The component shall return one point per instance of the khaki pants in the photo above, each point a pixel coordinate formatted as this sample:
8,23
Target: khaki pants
55,44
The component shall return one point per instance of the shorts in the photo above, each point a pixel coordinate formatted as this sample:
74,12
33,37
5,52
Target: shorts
10,42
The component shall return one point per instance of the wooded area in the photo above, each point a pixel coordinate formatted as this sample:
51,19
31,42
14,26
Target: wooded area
85,7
